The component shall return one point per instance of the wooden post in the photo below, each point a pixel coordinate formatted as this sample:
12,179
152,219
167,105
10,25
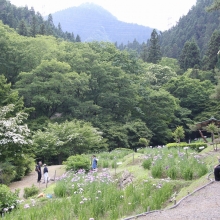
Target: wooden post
115,167
148,208
46,182
175,202
55,176
120,183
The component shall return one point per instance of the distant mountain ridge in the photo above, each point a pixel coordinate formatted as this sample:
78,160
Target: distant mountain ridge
92,22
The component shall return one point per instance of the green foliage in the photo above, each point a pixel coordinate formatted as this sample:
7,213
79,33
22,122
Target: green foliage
105,164
30,191
212,128
61,189
157,110
23,165
147,163
170,62
215,6
197,146
100,196
176,163
154,54
8,172
30,23
198,24
179,133
15,144
77,162
192,93
157,170
16,169
8,199
68,138
161,74
211,57
144,141
190,56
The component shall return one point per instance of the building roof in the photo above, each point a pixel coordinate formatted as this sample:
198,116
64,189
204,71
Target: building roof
202,124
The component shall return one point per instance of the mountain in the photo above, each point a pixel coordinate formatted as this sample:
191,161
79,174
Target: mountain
92,22
198,25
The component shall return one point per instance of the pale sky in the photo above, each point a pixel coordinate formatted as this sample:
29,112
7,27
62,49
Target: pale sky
159,14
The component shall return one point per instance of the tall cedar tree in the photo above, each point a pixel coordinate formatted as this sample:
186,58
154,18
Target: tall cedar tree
22,28
154,55
190,55
143,53
211,57
78,39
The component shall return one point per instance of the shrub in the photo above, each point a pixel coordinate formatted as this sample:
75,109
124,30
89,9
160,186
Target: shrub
147,164
17,169
77,162
30,191
187,173
105,164
114,164
8,172
172,172
157,170
8,199
61,189
197,146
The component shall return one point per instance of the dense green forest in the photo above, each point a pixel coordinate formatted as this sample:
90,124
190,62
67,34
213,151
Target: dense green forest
27,22
84,97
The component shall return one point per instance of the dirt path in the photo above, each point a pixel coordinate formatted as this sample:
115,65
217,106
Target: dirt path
30,179
203,205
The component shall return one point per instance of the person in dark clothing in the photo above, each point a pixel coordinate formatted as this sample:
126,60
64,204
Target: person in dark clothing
38,169
217,171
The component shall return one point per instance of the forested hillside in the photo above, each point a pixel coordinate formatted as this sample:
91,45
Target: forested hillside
197,25
194,41
92,22
27,22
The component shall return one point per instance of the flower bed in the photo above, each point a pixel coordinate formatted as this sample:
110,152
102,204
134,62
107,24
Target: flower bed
96,195
184,164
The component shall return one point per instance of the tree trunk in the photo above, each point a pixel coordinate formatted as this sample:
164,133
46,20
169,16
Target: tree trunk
203,136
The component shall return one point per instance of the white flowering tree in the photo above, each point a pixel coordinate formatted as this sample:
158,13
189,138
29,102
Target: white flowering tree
14,134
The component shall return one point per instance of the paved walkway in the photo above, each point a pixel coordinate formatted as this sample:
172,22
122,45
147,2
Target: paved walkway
31,179
203,205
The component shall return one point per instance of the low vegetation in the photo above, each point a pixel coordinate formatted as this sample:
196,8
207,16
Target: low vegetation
157,176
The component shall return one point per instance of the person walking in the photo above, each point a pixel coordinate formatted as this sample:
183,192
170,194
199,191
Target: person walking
45,172
94,162
38,169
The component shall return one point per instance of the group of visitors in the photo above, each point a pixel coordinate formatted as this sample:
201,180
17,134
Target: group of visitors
45,169
39,172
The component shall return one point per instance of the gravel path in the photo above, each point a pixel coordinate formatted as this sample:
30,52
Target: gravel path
202,205
31,179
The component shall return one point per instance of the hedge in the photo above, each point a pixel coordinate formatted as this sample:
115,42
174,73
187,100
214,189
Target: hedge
195,146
